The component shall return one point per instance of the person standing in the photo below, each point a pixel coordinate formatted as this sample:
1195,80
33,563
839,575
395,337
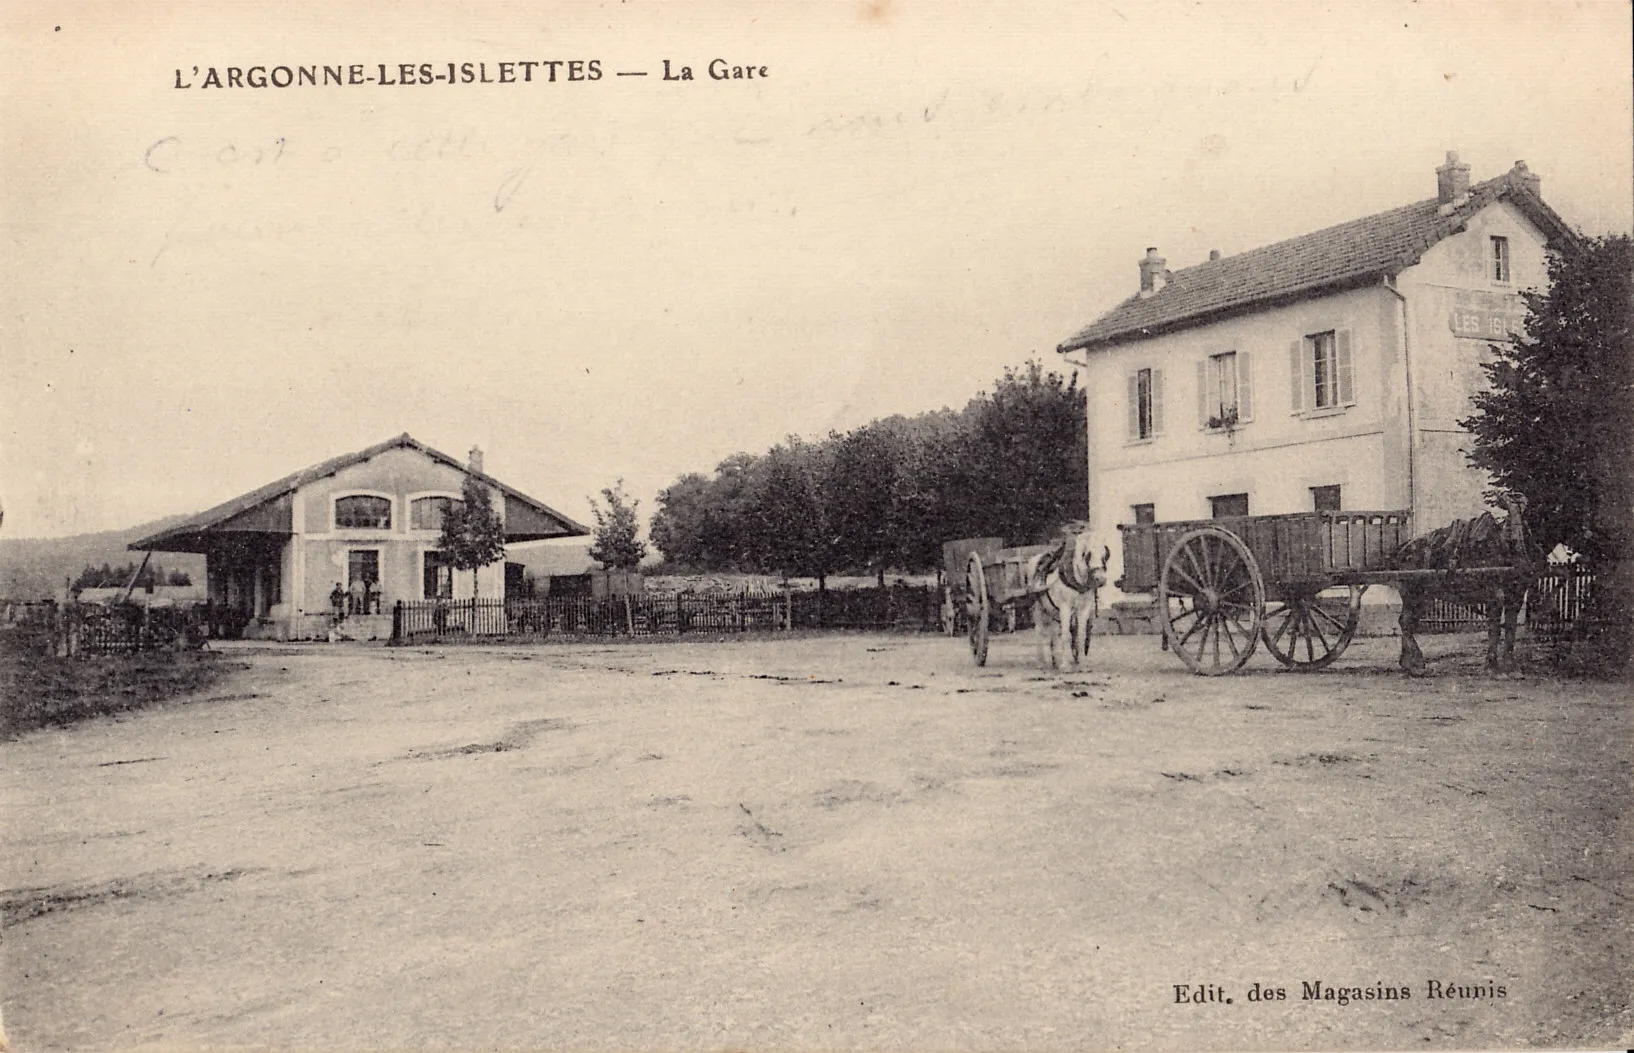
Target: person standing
337,600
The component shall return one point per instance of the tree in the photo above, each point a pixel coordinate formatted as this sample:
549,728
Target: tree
786,528
473,535
925,508
617,546
701,522
861,496
1555,426
1025,470
677,528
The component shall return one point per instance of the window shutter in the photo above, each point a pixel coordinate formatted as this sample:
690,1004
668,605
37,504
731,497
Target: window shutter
1245,386
1134,405
1202,394
1296,373
1157,402
1347,394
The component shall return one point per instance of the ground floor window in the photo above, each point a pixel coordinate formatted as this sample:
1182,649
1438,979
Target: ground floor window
1144,514
1325,498
1228,505
363,581
437,576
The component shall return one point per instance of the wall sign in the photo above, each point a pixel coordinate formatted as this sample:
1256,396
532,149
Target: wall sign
1481,315
1486,325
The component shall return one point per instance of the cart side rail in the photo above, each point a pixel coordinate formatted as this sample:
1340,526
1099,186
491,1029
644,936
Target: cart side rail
1299,546
955,553
1007,577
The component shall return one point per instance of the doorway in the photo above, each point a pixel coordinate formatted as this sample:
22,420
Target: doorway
363,581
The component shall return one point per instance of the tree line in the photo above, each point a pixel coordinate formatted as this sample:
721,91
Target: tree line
106,576
1011,464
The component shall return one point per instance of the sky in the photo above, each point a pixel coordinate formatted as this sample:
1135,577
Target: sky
205,289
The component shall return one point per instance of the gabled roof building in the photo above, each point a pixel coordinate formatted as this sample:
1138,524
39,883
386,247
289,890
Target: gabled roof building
359,531
1329,370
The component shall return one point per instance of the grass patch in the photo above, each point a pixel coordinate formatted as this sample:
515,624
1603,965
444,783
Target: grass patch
38,691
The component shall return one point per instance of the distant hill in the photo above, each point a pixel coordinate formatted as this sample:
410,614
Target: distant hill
34,568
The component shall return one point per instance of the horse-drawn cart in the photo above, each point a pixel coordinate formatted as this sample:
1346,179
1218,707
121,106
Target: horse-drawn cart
984,579
1294,582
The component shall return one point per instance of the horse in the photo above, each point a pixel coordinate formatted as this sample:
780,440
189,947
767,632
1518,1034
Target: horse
1065,580
1481,542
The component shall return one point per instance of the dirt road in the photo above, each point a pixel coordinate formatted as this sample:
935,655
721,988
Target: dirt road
823,843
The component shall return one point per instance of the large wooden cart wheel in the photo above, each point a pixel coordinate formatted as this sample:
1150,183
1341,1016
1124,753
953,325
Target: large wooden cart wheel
1306,636
976,609
1212,601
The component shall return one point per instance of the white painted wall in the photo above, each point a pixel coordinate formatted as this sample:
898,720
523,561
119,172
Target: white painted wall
1278,455
1452,279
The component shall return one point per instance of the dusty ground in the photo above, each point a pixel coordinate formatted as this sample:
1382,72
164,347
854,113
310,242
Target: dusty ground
835,842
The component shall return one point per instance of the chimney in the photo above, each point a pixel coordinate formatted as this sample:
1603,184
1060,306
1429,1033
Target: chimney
1523,177
476,459
1452,181
1213,254
1153,275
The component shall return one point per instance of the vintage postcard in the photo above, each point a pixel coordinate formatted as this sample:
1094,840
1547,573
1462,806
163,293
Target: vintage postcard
815,525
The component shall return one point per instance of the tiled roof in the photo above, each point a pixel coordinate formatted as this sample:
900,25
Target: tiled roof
1337,257
227,510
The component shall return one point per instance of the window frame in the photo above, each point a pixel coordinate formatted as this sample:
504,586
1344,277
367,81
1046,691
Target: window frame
1340,364
1211,404
1145,404
1145,412
1214,508
1500,265
422,495
1324,370
334,510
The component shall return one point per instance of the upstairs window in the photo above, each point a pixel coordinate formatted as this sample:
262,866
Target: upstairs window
1500,259
1145,404
426,513
1226,505
1225,390
1325,370
1325,498
363,511
1321,372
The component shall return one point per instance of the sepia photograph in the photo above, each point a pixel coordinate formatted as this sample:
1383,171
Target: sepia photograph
825,525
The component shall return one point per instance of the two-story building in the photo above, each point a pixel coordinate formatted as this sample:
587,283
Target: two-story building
1328,371
362,528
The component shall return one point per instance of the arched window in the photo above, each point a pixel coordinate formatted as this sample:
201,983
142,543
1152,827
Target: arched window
427,512
363,511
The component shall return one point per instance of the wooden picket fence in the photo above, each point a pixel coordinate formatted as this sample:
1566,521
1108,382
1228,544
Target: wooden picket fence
1557,601
638,614
72,629
903,608
907,608
1560,601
